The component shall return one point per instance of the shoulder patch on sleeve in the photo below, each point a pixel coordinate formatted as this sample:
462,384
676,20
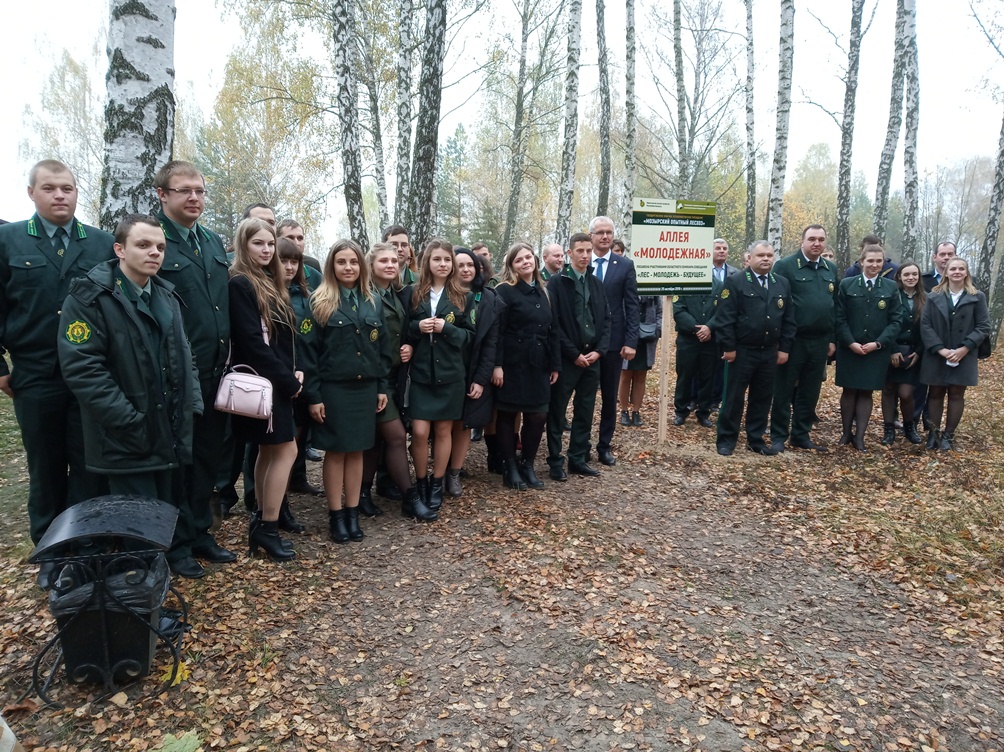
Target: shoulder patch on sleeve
78,332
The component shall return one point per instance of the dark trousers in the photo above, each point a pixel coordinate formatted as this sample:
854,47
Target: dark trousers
195,515
792,413
611,365
53,438
752,370
583,382
156,484
695,361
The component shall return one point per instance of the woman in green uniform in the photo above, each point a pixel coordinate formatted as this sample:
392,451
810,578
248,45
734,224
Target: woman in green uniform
390,436
346,357
904,362
440,330
867,324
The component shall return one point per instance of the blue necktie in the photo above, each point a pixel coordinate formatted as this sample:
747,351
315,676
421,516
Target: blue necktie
599,268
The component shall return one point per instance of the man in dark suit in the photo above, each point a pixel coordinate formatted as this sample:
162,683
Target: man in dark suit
755,328
621,288
39,258
720,269
943,253
580,309
195,262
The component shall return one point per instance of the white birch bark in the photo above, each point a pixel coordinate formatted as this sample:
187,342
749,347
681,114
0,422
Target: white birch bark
683,147
139,112
883,182
421,209
843,233
517,145
912,121
751,150
775,203
631,124
983,276
343,29
603,197
566,190
404,55
379,159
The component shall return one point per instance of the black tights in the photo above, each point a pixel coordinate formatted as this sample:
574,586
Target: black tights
855,407
893,393
936,405
391,437
529,435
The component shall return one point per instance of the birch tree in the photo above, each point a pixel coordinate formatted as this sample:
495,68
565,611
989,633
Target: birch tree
775,204
405,49
751,150
139,111
567,185
603,198
423,169
344,46
631,121
911,176
884,179
683,148
843,240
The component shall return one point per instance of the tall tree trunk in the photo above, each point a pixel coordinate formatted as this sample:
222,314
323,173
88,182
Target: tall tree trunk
404,54
567,189
884,179
984,268
750,133
517,147
631,125
139,112
421,211
911,186
603,198
683,149
775,203
343,29
847,137
380,161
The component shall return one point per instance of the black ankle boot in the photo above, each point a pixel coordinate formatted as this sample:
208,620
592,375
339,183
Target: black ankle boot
414,506
436,494
933,439
352,519
452,483
529,475
910,431
287,521
255,521
366,504
266,535
511,478
947,441
889,434
422,487
492,447
336,525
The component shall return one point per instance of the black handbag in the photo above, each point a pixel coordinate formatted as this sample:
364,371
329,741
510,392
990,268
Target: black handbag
647,332
985,349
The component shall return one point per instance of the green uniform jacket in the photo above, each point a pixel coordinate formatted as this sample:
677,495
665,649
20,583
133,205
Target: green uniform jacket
351,346
34,282
441,358
137,413
749,316
863,316
692,311
200,280
813,294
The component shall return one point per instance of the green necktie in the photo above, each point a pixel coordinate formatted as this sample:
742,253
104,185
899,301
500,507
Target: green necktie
351,297
193,240
59,241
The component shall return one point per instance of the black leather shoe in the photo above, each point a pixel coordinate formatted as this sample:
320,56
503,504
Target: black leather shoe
266,536
477,434
558,474
606,457
529,475
625,418
414,507
338,529
777,447
767,451
679,419
636,420
213,552
725,450
314,455
287,520
581,468
808,444
705,421
389,491
306,488
366,505
352,523
188,568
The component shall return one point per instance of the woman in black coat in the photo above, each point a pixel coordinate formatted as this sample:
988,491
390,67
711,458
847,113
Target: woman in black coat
954,323
479,402
903,373
527,362
262,336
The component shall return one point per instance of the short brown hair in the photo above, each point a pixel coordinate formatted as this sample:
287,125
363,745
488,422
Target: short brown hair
129,221
52,165
163,177
579,237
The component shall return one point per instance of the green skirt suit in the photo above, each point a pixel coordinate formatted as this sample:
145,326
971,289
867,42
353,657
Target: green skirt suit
864,316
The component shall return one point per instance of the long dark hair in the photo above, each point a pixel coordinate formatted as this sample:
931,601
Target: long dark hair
920,296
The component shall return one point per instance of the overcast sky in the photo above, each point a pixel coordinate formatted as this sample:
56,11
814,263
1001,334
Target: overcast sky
958,73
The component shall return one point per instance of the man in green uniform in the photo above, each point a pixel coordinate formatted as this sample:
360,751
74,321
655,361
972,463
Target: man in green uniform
579,306
195,262
813,292
696,353
39,258
397,236
552,258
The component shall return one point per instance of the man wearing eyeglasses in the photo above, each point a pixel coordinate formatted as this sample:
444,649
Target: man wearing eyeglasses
195,262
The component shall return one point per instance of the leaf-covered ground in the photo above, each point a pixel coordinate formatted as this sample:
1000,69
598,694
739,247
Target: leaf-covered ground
682,601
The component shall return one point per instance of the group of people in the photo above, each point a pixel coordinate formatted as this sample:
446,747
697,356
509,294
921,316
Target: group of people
770,329
118,345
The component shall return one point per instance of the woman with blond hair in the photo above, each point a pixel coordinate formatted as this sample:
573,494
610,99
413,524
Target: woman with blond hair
954,324
262,336
346,358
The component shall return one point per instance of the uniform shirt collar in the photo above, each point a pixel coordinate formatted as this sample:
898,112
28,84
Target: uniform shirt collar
50,228
183,231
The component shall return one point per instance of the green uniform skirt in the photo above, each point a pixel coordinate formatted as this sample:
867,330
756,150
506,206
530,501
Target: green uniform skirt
436,401
350,409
